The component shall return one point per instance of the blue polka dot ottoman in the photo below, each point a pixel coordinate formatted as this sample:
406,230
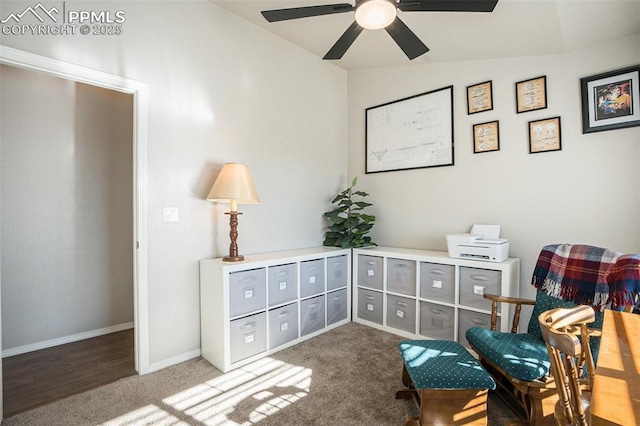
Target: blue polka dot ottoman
446,382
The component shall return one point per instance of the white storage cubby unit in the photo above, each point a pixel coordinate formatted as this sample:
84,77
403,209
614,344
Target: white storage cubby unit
427,294
271,301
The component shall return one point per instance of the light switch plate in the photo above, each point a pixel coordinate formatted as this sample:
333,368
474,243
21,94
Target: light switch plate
170,214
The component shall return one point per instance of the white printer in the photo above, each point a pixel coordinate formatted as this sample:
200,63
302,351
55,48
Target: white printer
481,244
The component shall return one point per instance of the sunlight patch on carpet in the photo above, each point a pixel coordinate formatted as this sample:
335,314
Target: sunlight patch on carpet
261,388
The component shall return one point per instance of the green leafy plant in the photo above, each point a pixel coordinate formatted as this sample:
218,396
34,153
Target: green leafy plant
349,224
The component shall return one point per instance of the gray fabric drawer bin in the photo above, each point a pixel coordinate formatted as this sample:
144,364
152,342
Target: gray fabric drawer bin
283,325
436,321
468,319
283,284
247,291
336,306
437,282
370,271
401,276
370,305
401,313
311,315
474,283
248,336
311,277
337,272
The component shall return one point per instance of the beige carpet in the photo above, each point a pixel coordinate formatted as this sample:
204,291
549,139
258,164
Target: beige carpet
347,376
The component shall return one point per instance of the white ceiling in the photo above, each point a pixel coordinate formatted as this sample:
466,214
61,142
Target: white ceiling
515,28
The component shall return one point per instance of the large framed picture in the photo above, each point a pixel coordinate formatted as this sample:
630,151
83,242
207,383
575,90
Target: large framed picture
544,135
479,97
531,94
486,137
410,133
611,100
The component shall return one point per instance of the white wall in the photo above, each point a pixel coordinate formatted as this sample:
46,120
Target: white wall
589,192
67,213
220,89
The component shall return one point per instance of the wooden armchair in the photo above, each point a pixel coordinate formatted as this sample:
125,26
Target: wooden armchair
519,362
567,338
565,276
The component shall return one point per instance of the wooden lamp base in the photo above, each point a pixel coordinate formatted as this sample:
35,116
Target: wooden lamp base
233,234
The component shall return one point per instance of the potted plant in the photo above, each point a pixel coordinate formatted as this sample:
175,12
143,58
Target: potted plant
349,224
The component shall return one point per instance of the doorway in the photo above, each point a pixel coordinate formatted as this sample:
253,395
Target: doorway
20,59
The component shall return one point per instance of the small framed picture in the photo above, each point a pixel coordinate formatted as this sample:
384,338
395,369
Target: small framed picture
486,137
544,135
531,94
611,100
479,97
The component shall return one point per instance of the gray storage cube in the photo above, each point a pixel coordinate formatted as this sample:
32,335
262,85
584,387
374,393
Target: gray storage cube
311,315
401,313
474,283
401,276
283,325
468,319
247,291
337,272
311,277
370,305
283,284
437,321
248,336
437,282
370,271
336,306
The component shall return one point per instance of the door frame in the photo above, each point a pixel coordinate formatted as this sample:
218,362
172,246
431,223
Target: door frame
140,91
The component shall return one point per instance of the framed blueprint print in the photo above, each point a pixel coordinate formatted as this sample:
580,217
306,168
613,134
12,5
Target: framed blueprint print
410,133
479,97
486,137
544,135
531,94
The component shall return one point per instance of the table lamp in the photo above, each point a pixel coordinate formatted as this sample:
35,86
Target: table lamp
234,185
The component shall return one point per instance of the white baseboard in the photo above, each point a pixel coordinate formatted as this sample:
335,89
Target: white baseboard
66,339
174,360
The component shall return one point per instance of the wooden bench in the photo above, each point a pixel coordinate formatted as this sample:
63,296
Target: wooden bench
445,381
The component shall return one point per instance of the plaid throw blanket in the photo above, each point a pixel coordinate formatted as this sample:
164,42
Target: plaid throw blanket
588,275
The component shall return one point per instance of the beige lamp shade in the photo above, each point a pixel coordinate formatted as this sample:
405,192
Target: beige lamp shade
234,185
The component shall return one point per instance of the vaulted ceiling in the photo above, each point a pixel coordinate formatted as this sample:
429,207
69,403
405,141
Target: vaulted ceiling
515,28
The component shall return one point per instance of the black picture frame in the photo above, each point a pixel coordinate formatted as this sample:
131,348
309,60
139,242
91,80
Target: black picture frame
486,137
611,100
480,97
545,135
410,133
531,94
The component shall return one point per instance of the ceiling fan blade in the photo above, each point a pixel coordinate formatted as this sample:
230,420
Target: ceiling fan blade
410,44
344,42
305,12
447,5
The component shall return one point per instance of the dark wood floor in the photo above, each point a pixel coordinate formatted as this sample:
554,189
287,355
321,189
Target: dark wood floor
36,378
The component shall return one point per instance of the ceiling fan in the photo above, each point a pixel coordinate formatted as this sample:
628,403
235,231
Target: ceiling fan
377,14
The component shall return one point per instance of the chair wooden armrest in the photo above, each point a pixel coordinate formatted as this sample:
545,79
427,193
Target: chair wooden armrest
595,332
495,299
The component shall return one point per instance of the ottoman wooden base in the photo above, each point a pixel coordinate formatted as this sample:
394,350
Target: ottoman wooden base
448,386
446,406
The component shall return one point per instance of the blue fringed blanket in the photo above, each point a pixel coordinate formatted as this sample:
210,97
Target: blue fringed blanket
588,275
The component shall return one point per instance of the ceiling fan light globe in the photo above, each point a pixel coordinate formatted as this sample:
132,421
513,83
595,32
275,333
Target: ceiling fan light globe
375,14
